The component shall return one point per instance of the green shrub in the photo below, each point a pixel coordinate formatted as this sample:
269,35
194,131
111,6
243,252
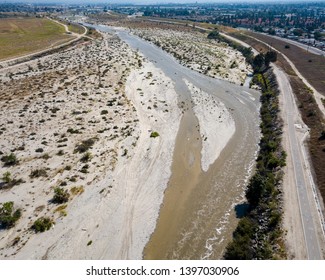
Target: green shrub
8,215
60,195
154,134
10,160
6,177
42,224
8,181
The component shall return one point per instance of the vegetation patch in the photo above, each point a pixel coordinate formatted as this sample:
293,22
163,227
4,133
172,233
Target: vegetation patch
9,160
38,173
259,234
8,215
60,196
8,181
85,145
77,190
42,224
61,210
154,134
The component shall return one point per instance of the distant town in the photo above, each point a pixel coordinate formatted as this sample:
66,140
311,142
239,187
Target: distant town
303,22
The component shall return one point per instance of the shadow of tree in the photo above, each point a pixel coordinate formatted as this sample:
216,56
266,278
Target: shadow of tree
241,210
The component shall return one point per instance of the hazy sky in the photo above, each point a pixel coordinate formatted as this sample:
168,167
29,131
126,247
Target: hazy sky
151,1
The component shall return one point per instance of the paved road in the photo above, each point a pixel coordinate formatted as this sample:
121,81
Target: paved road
301,178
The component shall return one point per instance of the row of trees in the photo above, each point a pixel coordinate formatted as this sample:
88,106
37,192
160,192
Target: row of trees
258,233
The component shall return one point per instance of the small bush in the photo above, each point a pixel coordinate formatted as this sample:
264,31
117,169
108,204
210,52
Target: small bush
38,173
77,190
8,215
68,168
60,153
60,195
8,181
154,134
39,150
104,112
10,160
7,177
85,145
61,210
73,131
42,224
86,157
45,156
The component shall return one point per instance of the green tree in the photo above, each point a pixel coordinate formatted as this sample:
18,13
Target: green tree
255,189
298,32
8,215
270,56
214,34
318,35
258,63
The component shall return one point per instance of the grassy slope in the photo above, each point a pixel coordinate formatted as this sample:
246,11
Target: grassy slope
19,36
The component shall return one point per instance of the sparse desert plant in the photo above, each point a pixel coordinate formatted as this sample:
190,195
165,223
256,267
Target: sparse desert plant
42,224
8,181
6,177
10,160
60,153
60,195
39,150
8,215
73,131
46,156
68,168
154,134
77,190
84,169
38,173
86,157
85,145
61,210
104,112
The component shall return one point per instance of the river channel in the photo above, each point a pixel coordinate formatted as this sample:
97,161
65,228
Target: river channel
200,209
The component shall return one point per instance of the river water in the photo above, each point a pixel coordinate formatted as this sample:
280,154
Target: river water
200,209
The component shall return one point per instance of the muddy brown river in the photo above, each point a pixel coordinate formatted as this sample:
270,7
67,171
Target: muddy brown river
200,209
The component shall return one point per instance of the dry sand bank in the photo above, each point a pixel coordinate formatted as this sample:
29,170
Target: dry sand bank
194,50
50,106
216,124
